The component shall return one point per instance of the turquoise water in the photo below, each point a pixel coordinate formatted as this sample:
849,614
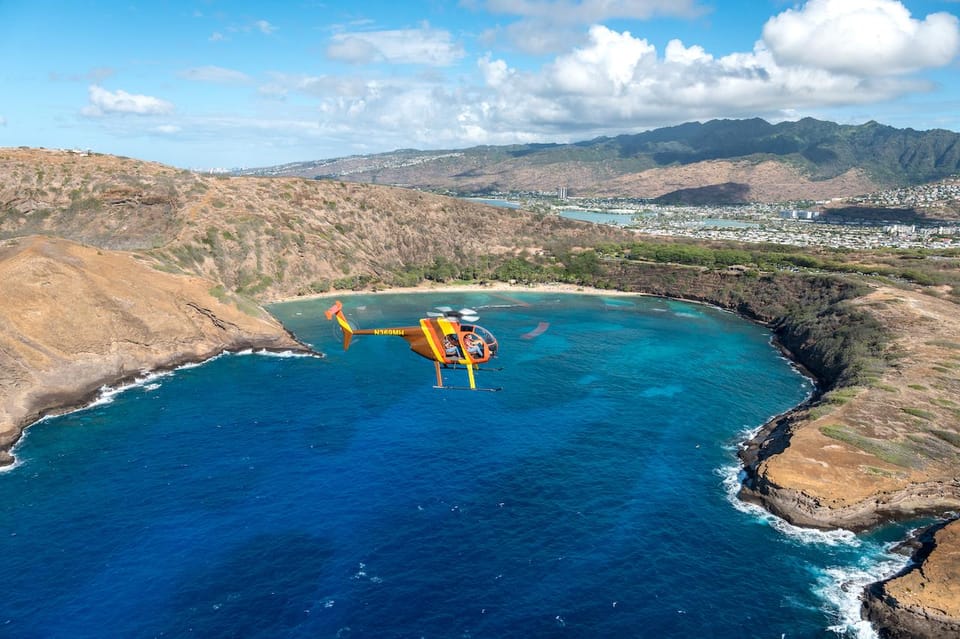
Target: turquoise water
264,496
597,217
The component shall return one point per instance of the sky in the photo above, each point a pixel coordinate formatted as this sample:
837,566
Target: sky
210,84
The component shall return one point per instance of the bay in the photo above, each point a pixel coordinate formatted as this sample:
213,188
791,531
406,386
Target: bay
264,496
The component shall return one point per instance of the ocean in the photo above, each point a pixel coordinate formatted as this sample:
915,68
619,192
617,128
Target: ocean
287,496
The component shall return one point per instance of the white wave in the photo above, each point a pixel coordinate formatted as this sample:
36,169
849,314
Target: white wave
841,588
280,354
16,464
732,478
146,379
288,354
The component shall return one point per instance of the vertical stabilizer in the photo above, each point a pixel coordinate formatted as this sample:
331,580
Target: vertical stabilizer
337,311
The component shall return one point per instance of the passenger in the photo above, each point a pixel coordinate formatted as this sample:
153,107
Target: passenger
452,348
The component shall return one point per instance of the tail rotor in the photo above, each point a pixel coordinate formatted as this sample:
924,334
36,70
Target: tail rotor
336,311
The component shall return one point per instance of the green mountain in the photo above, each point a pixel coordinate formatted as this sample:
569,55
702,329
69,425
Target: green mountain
753,159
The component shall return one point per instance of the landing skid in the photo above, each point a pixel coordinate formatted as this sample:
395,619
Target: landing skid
470,368
467,388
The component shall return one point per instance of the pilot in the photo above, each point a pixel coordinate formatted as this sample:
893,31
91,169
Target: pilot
474,345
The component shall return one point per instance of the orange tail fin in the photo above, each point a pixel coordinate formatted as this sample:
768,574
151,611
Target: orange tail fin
337,311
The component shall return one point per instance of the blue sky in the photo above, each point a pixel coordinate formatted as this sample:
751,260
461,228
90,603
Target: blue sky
209,84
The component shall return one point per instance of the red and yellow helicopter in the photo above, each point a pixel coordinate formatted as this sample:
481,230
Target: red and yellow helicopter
442,336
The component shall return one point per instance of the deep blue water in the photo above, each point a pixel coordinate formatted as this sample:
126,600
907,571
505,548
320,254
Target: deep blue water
260,496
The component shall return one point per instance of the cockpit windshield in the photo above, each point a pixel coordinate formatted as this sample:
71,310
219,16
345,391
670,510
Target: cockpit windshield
485,335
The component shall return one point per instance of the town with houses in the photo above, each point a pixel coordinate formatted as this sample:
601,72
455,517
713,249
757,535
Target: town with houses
933,211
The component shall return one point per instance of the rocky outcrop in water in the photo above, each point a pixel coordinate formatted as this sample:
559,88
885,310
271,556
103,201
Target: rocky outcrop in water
924,601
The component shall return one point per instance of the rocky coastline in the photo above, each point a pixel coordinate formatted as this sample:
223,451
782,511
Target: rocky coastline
920,601
853,459
87,318
77,319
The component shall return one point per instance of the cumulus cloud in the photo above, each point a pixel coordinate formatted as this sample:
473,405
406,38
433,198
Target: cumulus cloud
607,82
494,72
607,66
3,121
218,75
617,82
863,37
104,102
425,46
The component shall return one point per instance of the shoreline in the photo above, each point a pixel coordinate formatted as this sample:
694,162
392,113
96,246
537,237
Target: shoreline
494,287
87,398
769,438
776,431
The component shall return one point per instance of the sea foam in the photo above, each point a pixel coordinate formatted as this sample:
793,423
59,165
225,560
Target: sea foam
841,588
732,479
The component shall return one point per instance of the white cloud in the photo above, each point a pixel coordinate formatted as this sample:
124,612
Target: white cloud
607,66
218,75
401,46
103,102
864,37
610,83
264,27
167,129
495,72
216,36
3,121
617,82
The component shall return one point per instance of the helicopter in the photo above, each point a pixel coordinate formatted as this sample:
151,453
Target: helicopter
442,336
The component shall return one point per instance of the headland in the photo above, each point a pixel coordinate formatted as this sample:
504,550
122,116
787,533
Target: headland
76,319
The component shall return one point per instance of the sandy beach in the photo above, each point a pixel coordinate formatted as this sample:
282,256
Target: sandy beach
496,287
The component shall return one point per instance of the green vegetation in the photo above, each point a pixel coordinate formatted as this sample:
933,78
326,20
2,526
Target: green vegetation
948,436
896,453
219,292
917,412
775,258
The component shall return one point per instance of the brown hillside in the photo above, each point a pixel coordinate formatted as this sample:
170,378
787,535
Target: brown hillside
267,237
767,181
75,318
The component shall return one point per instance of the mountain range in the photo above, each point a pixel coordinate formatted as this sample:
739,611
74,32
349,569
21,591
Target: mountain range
719,161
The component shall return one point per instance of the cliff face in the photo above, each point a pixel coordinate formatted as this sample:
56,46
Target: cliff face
924,601
882,443
75,318
887,450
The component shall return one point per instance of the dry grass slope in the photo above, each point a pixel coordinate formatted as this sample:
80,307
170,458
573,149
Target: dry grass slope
266,238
